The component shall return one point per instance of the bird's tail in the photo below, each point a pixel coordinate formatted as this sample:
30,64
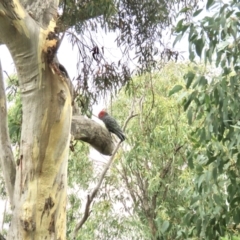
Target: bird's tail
121,136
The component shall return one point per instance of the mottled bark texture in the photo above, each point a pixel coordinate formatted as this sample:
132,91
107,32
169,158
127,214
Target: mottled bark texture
39,191
37,185
41,10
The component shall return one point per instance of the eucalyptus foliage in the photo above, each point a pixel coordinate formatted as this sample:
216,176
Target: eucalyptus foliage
152,168
144,194
140,29
213,103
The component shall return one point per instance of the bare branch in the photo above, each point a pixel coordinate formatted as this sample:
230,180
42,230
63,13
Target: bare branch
128,185
89,131
97,187
6,154
94,192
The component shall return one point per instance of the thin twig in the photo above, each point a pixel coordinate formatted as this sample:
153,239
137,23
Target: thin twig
97,187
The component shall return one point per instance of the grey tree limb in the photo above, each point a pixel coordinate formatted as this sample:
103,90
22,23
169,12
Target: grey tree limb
89,131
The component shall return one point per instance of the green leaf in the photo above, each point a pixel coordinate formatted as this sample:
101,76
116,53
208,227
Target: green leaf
209,4
214,174
165,226
189,115
198,225
197,12
203,81
188,102
175,89
199,44
184,10
187,218
190,161
177,39
236,216
217,199
178,28
201,180
189,77
231,192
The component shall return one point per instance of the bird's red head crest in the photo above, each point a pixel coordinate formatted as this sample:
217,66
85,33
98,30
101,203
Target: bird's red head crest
102,114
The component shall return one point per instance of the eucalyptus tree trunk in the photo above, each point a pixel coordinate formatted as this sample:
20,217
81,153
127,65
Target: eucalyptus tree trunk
38,196
37,183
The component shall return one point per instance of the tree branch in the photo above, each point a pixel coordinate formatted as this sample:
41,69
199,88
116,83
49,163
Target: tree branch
97,187
132,193
89,131
6,154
